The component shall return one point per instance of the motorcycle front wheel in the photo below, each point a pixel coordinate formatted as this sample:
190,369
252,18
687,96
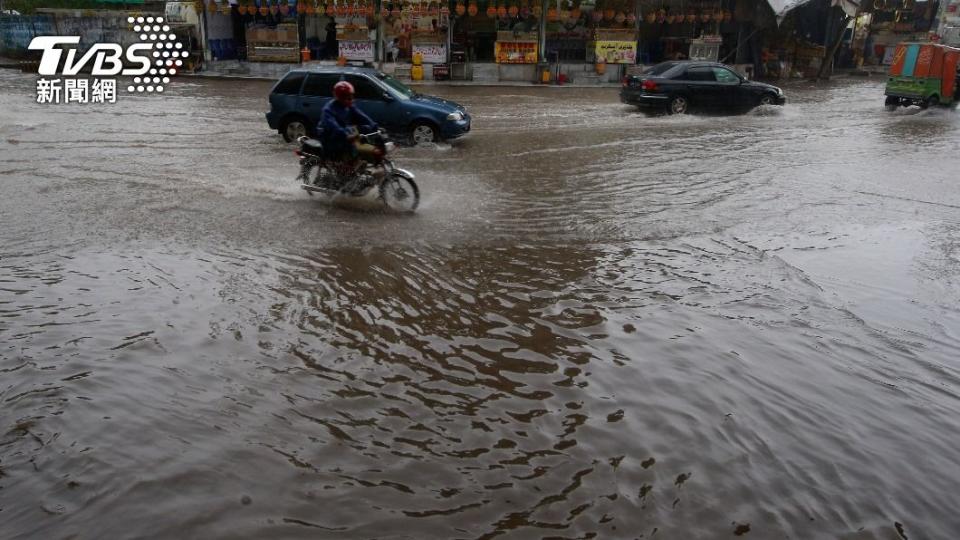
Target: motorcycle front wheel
400,193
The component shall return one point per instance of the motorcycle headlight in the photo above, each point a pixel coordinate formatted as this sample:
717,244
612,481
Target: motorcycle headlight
456,117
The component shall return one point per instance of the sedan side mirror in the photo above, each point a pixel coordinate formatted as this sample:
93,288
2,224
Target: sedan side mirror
387,97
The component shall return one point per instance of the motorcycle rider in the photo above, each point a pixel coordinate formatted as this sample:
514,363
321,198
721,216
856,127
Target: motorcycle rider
341,126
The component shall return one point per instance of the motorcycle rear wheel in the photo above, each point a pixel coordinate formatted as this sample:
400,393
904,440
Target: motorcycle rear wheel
400,193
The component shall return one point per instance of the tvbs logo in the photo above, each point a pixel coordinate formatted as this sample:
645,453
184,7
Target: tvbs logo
151,63
106,57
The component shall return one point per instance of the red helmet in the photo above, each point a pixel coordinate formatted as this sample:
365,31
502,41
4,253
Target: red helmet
343,91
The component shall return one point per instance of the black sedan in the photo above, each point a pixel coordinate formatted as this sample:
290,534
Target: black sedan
678,87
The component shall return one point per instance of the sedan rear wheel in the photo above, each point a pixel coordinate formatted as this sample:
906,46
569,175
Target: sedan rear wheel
678,105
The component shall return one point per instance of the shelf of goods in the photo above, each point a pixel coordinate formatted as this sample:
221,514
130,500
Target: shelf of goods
278,44
516,48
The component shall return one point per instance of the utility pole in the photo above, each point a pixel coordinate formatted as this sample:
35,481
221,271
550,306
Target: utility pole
380,49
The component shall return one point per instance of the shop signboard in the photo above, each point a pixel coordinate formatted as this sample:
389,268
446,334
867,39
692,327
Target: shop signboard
433,53
617,52
357,50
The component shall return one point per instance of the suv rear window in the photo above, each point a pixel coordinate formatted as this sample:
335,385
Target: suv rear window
290,84
320,84
364,88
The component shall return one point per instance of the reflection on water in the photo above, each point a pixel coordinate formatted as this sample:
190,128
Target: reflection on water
599,325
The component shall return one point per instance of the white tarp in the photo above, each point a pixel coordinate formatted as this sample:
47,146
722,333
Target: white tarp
781,7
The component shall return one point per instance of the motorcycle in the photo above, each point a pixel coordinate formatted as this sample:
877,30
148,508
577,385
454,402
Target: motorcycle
357,178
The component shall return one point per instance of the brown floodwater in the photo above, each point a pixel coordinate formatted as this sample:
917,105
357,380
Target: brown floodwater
598,324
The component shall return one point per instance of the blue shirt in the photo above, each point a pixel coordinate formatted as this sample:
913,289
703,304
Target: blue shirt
336,124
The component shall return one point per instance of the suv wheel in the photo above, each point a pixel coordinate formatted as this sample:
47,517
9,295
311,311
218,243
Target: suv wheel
293,128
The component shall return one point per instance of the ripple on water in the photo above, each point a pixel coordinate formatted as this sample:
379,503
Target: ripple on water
517,389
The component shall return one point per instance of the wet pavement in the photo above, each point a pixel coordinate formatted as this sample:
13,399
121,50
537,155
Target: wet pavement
598,325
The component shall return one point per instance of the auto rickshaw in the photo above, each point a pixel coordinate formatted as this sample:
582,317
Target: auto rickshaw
923,74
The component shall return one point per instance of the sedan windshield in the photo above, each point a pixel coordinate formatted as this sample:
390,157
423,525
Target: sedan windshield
397,86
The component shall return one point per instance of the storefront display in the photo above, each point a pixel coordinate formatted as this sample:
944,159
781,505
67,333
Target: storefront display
280,43
412,28
516,47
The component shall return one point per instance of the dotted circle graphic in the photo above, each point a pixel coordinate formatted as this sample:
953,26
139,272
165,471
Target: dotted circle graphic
167,52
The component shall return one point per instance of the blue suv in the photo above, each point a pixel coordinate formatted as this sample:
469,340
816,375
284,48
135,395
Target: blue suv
297,101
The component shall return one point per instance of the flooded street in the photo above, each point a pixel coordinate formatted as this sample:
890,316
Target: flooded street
598,324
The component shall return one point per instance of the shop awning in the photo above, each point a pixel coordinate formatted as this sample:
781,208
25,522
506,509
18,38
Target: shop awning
782,7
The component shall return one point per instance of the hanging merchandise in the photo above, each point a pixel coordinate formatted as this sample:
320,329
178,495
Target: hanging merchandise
513,10
502,11
274,8
597,14
460,9
608,13
395,12
631,19
284,8
263,9
472,9
552,14
537,10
